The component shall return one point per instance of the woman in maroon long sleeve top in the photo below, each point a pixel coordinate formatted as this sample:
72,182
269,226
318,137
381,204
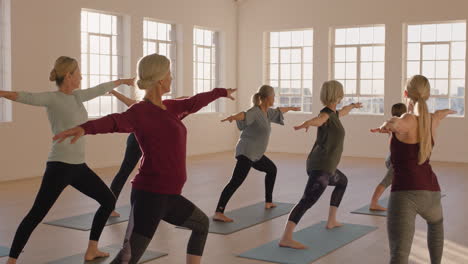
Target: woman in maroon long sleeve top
156,191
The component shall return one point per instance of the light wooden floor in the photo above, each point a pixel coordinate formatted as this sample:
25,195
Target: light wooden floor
207,175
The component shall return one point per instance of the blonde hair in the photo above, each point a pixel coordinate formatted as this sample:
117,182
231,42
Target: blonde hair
331,92
62,66
419,89
263,92
150,69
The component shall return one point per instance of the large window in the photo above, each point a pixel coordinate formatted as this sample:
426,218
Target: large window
358,56
289,67
101,57
205,63
5,59
160,38
437,51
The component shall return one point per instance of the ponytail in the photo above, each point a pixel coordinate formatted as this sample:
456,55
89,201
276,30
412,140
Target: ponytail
424,131
256,99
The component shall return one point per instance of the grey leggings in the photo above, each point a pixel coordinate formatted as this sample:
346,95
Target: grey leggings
402,210
387,180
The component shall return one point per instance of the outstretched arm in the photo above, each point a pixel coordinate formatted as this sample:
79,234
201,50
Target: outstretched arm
439,115
346,109
237,117
184,107
13,96
398,125
124,99
123,123
287,109
91,93
316,121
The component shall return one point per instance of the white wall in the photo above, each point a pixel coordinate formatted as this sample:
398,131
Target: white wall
43,30
259,16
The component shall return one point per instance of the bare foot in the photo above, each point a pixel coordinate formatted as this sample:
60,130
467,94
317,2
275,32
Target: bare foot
331,225
270,205
115,214
220,217
92,254
377,207
289,243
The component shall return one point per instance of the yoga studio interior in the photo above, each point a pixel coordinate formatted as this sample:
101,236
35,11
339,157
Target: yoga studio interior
233,132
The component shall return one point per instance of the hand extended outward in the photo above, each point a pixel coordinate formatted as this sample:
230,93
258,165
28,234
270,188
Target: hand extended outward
75,132
230,91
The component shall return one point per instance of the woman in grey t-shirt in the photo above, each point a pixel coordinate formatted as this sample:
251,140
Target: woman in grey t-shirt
255,125
322,161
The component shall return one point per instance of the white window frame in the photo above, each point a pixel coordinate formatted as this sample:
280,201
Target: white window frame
435,60
5,59
116,105
172,43
358,67
214,82
278,86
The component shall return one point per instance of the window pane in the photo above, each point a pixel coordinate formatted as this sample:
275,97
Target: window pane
412,68
459,31
285,39
458,50
414,33
413,52
458,69
429,52
444,32
340,70
442,52
351,71
366,71
351,54
297,38
350,87
379,53
442,69
378,87
428,33
428,69
457,87
367,54
285,55
340,54
366,35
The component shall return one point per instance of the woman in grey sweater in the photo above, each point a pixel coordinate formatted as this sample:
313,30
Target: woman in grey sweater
255,125
66,163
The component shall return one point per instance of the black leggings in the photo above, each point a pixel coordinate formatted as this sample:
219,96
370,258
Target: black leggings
148,209
131,158
240,173
57,177
318,181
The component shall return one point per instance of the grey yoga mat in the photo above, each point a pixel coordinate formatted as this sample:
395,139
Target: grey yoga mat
4,251
248,216
113,250
320,242
83,222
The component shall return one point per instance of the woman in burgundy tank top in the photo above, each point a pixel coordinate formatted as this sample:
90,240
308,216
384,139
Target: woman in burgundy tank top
415,189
